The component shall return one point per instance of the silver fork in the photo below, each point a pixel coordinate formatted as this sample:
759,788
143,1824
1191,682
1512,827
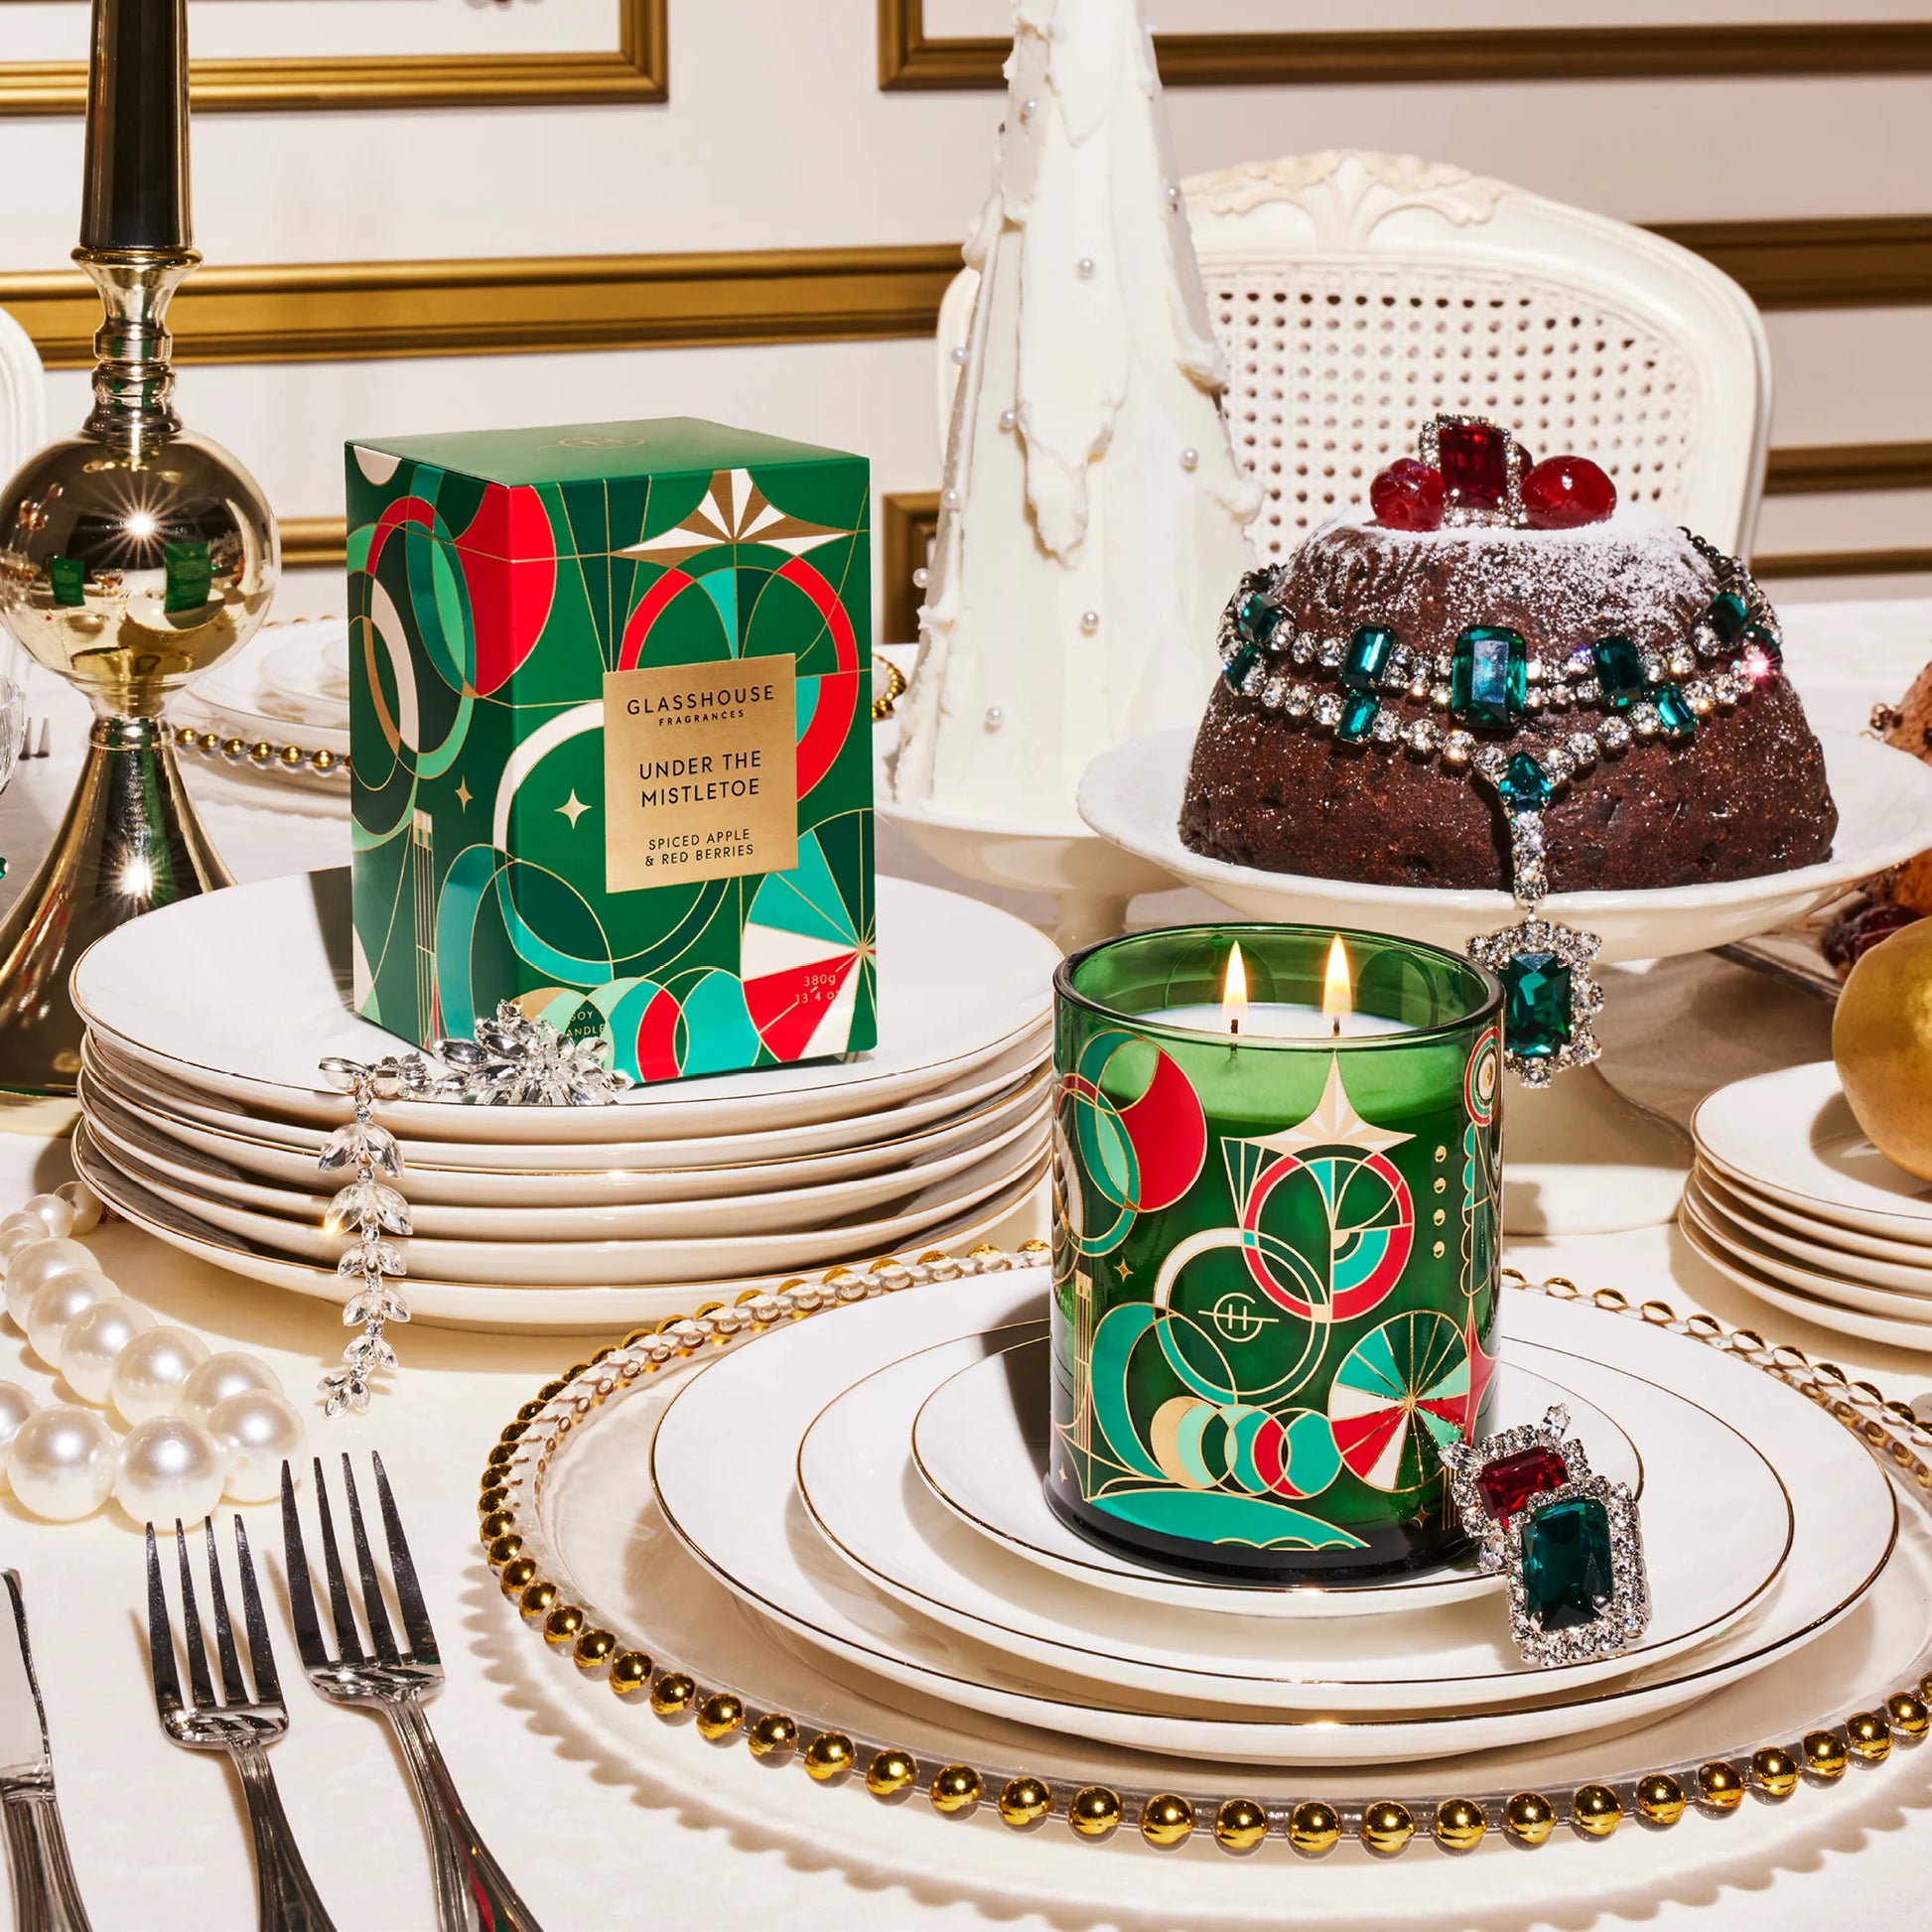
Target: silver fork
285,1896
471,1892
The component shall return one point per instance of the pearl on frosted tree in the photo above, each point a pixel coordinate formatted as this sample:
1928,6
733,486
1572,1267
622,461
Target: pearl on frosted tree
84,1203
257,1432
1089,622
1191,459
950,499
230,1373
93,1342
1007,418
16,1405
922,577
147,1379
169,1469
61,1463
31,1267
54,1213
64,1297
1029,108
995,717
1084,267
960,356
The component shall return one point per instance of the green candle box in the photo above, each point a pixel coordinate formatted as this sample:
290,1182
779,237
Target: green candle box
610,729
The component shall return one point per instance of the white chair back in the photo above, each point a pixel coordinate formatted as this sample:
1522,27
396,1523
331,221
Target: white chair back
1356,294
23,397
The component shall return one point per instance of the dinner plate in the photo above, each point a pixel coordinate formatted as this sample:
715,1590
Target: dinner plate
273,687
1778,1222
979,1442
1713,1548
606,1311
1792,1136
198,1176
1131,795
1826,1312
721,1472
550,1172
307,665
1905,1290
617,1264
242,992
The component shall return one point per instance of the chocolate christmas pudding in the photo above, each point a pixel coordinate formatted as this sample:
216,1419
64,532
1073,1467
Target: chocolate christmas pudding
1501,678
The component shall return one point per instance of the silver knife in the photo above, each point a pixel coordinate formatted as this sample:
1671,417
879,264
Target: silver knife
45,1897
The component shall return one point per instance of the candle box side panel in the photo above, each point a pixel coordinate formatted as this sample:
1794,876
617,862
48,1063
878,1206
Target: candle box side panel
610,743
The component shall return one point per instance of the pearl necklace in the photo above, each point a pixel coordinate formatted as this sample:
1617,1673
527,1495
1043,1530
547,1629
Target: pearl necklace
204,1424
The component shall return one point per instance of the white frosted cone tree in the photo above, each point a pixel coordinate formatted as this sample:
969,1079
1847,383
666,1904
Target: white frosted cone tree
1090,528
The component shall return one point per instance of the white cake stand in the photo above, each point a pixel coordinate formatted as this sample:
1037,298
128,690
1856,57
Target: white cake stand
1562,1139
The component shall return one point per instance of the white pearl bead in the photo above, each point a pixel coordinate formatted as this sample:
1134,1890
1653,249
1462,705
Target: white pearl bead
1089,622
18,1231
148,1376
61,1463
54,1213
169,1469
1191,459
1029,108
961,355
1085,267
16,1405
220,1377
34,1266
995,717
84,1203
64,1297
93,1342
1007,418
923,577
950,499
257,1432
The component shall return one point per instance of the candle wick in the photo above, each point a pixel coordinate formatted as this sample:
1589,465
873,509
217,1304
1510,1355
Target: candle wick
1337,1035
1234,1025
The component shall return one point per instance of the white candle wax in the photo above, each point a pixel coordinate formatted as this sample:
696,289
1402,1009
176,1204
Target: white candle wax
1277,1019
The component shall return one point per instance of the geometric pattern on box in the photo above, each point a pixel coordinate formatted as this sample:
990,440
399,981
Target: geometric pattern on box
494,580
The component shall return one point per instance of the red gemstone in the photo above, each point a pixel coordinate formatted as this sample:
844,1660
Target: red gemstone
1506,1485
1475,462
1407,496
1566,492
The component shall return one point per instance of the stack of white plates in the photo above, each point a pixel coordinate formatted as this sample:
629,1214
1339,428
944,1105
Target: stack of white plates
873,1485
1793,1202
204,1114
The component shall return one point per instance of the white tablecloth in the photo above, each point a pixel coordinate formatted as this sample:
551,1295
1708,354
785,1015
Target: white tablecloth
670,1834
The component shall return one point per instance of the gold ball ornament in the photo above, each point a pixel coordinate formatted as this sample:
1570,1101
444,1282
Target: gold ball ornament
630,1673
673,1694
827,1756
1459,1825
539,1599
1908,1714
1529,1818
595,1649
1165,1820
1776,1772
889,1773
774,1736
1825,1756
1869,1735
955,1789
1721,1785
1387,1827
1094,1811
1881,1040
719,1715
1597,1810
1661,1799
495,1523
518,1575
1023,1802
564,1625
1314,1828
504,1547
1240,1825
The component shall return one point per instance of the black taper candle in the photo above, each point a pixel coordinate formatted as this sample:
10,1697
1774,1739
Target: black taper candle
137,126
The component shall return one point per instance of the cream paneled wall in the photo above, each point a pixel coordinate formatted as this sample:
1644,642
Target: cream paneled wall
778,135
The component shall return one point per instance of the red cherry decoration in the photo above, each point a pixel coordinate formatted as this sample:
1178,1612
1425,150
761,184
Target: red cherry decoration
1566,492
1408,495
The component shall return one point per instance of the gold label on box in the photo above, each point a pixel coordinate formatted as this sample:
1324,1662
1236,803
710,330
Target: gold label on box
700,772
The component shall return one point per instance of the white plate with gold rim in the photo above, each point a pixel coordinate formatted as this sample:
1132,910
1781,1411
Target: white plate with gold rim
1876,1285
1713,1548
1803,1236
199,1177
723,1474
602,1171
979,1442
1791,1135
242,992
605,1310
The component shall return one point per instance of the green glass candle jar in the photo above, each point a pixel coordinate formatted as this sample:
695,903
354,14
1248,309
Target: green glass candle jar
1275,1247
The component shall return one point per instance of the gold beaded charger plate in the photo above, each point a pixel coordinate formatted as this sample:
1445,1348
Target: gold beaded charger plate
734,1502
673,1170
1008,1141
1879,1288
672,1671
1791,1135
1905,1264
243,992
1721,1549
1133,796
460,1305
979,1442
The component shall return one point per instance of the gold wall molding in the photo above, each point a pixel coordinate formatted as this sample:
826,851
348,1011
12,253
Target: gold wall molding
1845,563
1819,469
638,68
354,311
908,521
912,58
314,542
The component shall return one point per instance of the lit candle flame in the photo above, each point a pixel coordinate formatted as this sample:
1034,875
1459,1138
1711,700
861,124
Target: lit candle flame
1234,989
1338,989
